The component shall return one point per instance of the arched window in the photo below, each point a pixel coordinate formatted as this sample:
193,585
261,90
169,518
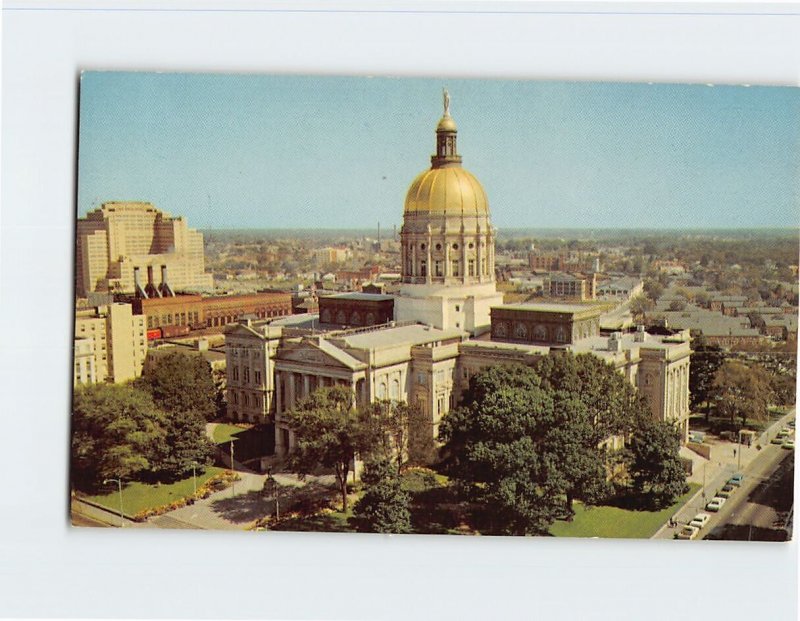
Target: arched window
540,333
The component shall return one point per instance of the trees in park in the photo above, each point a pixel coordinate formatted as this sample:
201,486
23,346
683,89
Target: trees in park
181,382
655,469
528,441
329,433
742,391
706,359
384,506
117,431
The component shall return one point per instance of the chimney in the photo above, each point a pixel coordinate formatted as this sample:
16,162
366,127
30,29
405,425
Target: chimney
151,289
164,287
615,342
137,284
640,335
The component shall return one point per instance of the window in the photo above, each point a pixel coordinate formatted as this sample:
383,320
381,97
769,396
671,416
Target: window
455,268
437,268
471,267
258,377
458,308
423,268
235,398
246,375
235,374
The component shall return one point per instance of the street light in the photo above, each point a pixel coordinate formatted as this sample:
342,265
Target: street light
194,476
119,483
233,470
273,487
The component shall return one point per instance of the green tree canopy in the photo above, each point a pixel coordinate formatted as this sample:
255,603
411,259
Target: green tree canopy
705,360
180,382
656,471
117,432
384,506
742,391
328,433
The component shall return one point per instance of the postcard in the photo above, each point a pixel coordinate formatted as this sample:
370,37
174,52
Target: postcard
435,306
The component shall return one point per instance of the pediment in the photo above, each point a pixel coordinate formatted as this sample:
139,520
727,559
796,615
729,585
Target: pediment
311,355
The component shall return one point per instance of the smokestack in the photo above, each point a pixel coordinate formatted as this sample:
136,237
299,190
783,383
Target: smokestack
151,288
164,287
137,285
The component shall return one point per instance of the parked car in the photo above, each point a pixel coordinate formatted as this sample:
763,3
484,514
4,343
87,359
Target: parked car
789,444
777,439
687,532
736,479
727,491
715,504
700,520
791,423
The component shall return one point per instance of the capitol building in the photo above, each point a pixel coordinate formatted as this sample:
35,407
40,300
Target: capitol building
449,323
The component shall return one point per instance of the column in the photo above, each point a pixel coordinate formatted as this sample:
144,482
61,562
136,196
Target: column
278,404
306,385
291,400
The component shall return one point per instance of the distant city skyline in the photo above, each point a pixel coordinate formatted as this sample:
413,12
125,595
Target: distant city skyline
291,152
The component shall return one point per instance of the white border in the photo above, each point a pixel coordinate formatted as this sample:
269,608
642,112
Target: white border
46,569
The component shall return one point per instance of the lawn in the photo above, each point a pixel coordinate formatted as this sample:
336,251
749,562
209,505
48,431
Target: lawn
140,496
224,433
614,522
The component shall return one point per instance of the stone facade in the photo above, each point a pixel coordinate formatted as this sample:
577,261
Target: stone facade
355,310
121,238
119,341
545,324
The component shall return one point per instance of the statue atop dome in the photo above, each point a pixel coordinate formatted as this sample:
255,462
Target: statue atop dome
446,99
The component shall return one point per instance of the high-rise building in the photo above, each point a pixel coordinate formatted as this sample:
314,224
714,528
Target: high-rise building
124,242
118,342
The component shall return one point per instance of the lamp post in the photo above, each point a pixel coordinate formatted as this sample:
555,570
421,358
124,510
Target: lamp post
272,486
194,476
233,472
119,483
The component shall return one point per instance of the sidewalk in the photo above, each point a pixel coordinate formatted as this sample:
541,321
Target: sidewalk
715,472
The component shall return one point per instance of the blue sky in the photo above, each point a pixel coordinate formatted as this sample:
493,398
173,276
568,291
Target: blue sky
249,151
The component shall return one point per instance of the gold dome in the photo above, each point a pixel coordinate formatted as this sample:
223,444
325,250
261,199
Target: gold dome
446,124
450,190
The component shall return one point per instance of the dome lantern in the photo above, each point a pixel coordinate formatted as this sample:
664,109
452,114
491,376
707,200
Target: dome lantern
446,130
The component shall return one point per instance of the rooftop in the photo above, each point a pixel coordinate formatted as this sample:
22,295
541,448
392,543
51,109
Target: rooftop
363,297
551,308
416,334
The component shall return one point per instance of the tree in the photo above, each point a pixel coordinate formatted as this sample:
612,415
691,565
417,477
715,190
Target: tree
653,288
701,298
180,382
677,305
396,430
116,432
757,321
328,433
705,361
600,404
742,390
655,468
640,306
496,453
187,442
384,506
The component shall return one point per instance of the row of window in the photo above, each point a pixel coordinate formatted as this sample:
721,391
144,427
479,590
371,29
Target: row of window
246,399
246,375
455,268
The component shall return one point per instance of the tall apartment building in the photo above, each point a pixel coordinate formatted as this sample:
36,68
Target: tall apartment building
123,241
118,344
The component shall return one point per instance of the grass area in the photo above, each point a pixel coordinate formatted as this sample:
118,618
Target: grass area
614,522
140,496
224,433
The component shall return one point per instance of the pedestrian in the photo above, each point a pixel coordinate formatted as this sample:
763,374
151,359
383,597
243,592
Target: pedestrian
734,452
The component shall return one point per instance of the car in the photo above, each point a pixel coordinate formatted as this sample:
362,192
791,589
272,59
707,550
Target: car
789,444
700,520
715,504
736,479
777,439
687,532
727,491
791,424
